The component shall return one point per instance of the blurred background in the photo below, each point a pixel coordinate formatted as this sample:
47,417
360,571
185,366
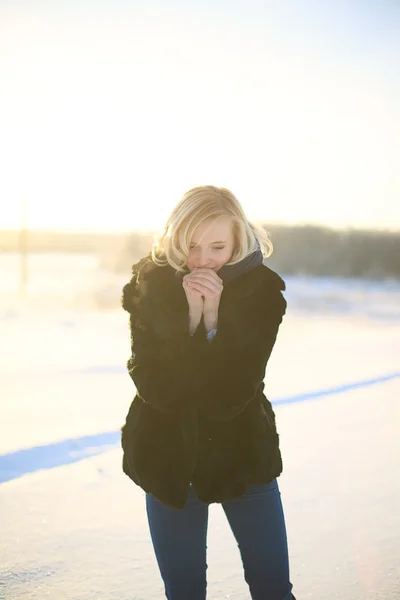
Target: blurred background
109,112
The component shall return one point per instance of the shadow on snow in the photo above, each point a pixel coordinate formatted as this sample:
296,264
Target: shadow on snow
28,460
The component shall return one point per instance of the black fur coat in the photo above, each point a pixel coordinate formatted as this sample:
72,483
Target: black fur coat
199,415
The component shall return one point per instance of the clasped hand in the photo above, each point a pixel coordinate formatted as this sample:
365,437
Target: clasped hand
203,289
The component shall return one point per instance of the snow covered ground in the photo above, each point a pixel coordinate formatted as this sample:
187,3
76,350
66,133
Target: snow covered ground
73,525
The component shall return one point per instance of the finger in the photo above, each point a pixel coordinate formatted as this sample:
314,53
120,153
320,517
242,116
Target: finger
203,275
198,289
207,272
211,285
196,285
204,291
190,289
193,295
209,290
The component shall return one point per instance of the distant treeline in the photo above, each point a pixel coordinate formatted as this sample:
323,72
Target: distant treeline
321,251
313,250
306,250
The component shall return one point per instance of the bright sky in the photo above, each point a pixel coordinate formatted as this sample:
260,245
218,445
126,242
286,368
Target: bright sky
110,110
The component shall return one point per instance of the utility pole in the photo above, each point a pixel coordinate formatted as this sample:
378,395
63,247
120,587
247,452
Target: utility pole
23,248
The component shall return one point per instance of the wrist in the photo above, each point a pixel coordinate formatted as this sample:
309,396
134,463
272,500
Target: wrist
210,315
211,307
194,319
195,312
210,321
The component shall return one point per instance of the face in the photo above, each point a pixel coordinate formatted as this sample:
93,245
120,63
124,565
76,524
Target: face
212,244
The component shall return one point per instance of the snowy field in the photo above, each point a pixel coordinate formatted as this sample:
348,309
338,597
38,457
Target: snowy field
73,525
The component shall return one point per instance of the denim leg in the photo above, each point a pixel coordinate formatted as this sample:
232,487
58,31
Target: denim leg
258,524
180,542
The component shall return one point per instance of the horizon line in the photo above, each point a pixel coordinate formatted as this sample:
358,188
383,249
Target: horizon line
145,230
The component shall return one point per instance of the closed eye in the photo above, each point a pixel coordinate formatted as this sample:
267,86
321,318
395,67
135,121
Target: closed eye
193,247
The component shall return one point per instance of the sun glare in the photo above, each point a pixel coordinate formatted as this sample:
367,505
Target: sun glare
103,128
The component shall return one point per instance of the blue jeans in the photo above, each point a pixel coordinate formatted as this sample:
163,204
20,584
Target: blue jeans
258,524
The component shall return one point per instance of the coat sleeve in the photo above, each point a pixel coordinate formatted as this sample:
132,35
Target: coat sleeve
234,367
162,369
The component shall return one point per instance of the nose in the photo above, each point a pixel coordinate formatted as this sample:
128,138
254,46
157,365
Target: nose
202,263
202,258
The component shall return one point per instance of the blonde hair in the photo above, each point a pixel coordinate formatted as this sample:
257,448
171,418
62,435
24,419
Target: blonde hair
197,205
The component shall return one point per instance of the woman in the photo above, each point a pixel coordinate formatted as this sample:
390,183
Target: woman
204,316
